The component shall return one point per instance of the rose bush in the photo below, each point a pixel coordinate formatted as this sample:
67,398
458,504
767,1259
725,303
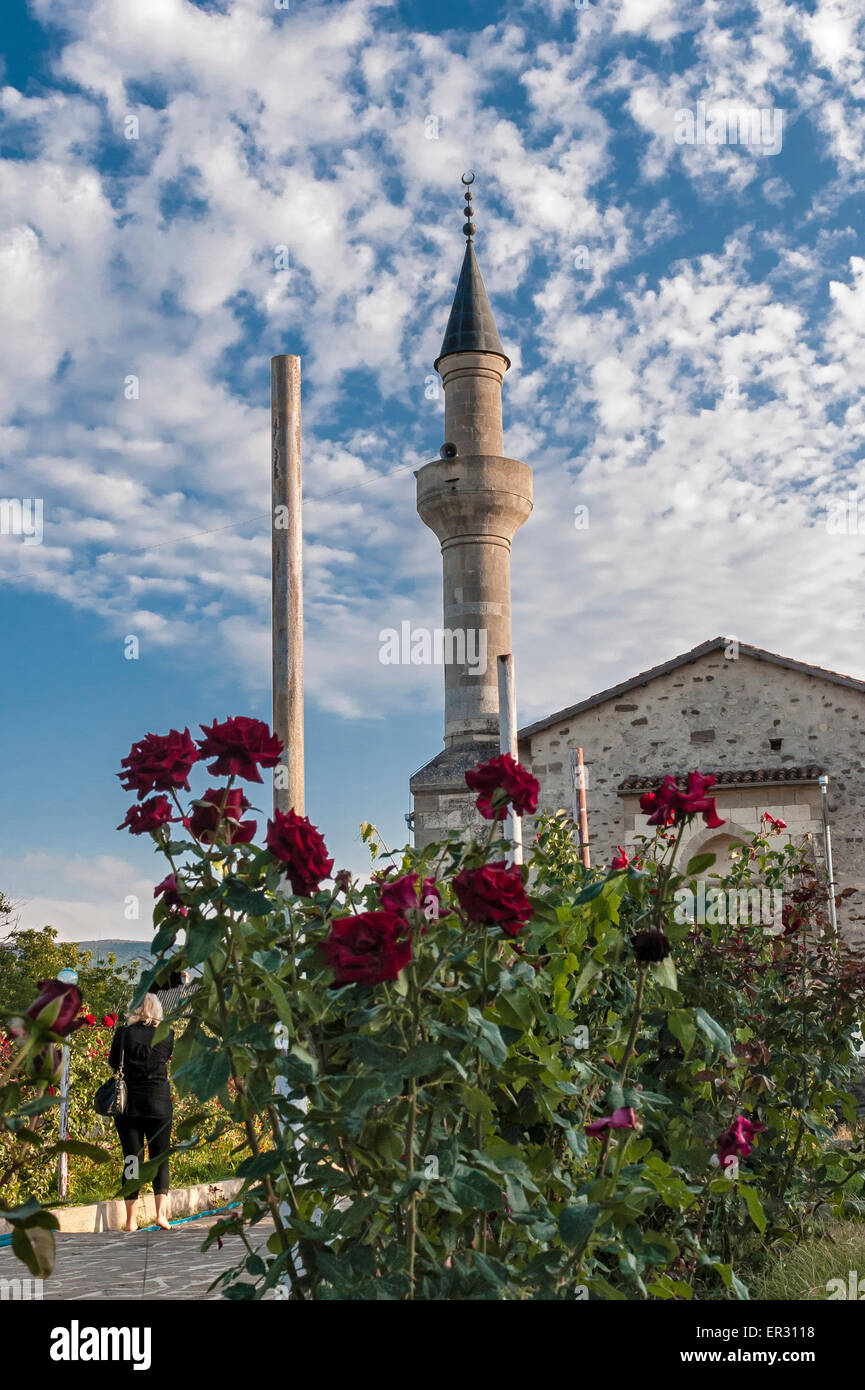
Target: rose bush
469,1080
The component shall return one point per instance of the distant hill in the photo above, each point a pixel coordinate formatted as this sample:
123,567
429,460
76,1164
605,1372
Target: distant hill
126,952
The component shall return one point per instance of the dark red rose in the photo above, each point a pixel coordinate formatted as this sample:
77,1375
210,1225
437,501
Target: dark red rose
650,946
399,894
167,890
151,815
736,1141
90,1020
623,1118
367,948
158,763
210,823
109,1020
662,805
65,1021
509,778
494,896
694,800
619,861
240,746
668,805
299,845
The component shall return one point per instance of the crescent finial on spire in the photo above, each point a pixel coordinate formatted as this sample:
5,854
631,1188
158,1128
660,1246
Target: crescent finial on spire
468,226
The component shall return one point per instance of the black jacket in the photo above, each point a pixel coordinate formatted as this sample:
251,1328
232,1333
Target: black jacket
145,1068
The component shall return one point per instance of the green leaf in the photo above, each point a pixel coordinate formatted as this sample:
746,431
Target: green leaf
252,902
699,864
204,939
475,1191
206,1073
681,1024
82,1149
259,1165
664,973
490,1043
755,1207
34,1245
593,891
588,973
577,1223
419,1060
164,938
713,1031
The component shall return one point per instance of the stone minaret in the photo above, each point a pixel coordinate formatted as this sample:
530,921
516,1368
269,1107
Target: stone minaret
474,500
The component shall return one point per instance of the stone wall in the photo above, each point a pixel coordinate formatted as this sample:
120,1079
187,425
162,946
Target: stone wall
714,714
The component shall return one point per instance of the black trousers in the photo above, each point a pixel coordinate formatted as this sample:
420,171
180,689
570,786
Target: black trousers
136,1130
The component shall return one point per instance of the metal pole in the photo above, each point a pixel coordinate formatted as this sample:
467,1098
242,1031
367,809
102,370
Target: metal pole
287,581
827,844
508,738
584,814
63,1159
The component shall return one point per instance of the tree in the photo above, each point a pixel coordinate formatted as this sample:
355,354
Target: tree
28,955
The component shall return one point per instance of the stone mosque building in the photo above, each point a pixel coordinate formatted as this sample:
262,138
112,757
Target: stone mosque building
780,736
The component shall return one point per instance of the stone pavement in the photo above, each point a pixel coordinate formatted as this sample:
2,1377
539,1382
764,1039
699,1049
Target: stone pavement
147,1265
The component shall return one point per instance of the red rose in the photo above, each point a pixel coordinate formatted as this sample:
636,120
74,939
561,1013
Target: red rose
669,805
211,823
240,746
149,816
90,1020
109,1020
158,763
167,889
295,841
367,948
494,896
508,777
623,1118
736,1141
619,861
65,1021
399,894
696,802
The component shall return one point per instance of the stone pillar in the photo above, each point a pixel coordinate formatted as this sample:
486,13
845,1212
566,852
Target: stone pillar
474,503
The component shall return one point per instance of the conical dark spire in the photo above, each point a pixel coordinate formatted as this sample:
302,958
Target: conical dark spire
471,326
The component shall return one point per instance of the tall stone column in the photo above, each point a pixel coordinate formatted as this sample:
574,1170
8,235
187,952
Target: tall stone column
475,500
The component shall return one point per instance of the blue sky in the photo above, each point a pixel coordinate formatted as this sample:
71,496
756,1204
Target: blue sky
685,323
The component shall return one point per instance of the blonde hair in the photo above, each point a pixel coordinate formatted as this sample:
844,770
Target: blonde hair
149,1011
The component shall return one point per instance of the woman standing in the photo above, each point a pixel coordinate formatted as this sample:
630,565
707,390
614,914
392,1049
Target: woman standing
148,1114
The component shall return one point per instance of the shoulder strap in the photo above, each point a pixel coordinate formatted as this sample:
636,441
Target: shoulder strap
122,1049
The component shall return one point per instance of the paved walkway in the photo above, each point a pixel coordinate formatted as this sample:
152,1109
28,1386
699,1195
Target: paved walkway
146,1265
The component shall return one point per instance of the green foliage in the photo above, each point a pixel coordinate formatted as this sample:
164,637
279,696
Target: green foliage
28,956
431,1136
518,1118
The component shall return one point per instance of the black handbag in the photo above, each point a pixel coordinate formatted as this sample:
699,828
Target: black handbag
110,1098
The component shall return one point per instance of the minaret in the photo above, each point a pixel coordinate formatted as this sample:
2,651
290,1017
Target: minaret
474,500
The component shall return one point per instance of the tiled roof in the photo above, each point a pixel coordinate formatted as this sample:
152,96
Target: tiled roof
762,776
705,649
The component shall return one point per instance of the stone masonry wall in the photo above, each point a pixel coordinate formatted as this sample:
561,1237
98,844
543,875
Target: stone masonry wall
716,714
